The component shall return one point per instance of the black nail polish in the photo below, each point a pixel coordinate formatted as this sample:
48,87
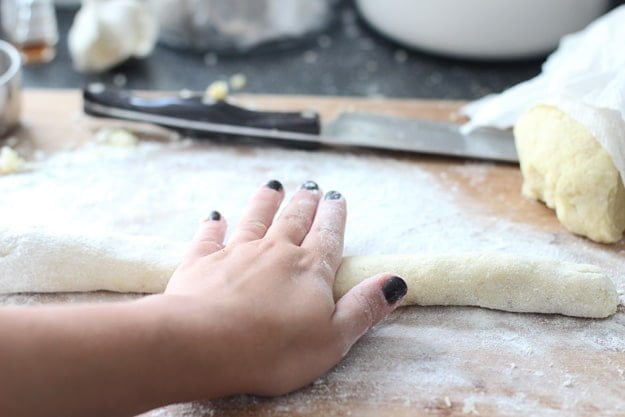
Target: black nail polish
333,195
274,185
214,216
310,186
394,289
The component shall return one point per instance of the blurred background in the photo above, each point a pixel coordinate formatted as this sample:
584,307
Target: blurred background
394,48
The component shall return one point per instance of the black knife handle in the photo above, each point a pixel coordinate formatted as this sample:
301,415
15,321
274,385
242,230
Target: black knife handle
194,108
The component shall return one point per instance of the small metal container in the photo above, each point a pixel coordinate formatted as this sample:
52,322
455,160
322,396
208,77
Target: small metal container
239,25
10,82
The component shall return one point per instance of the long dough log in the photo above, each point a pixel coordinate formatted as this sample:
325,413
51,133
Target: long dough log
521,284
37,260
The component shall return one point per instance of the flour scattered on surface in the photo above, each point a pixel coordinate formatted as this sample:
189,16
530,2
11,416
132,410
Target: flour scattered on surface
469,407
395,206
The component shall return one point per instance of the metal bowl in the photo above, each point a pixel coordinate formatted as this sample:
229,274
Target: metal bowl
10,81
239,25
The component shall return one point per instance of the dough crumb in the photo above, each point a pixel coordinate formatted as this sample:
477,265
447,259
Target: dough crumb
469,407
447,402
513,365
117,136
218,90
568,382
185,93
238,81
10,161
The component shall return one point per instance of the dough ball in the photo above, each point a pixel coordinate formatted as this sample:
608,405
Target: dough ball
564,166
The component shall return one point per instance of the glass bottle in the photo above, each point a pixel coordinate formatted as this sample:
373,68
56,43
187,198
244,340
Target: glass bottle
31,26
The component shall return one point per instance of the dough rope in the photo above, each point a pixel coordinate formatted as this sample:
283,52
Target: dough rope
517,283
43,260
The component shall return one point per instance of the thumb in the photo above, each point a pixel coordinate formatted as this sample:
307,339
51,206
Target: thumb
367,304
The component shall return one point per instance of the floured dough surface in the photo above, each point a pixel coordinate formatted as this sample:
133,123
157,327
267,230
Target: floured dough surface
498,281
34,259
43,260
566,167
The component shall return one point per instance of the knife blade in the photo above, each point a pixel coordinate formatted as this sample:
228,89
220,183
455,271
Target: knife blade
194,116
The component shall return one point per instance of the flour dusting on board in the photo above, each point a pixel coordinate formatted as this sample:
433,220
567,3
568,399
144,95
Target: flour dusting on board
434,359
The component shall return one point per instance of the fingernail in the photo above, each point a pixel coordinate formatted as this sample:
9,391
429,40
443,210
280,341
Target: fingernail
274,185
214,216
333,195
394,289
310,186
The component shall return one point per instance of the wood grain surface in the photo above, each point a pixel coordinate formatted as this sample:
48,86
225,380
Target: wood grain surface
503,381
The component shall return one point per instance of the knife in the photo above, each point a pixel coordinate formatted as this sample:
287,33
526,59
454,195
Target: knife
195,116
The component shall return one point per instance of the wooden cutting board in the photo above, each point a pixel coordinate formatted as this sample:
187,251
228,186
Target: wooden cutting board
535,365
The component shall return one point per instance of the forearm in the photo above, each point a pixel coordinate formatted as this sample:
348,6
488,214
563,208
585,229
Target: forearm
107,359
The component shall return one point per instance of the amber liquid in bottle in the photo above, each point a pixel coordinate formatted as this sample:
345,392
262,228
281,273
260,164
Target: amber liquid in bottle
38,52
30,25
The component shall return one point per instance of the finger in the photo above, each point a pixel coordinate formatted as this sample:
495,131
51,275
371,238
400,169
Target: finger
327,232
297,217
365,305
260,213
210,236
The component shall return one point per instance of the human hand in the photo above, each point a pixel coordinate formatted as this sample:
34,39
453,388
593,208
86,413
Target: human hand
265,299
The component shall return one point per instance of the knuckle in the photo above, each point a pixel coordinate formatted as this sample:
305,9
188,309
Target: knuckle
324,267
294,217
255,227
268,244
285,248
326,229
295,222
211,246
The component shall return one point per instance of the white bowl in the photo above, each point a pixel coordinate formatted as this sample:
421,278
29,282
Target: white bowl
481,29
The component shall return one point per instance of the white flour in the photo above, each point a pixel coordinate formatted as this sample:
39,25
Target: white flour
422,359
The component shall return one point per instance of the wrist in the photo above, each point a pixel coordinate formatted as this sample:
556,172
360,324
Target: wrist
198,344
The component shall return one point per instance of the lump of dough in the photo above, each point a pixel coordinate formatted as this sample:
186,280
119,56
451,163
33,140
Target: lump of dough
106,33
218,90
564,166
10,161
517,283
116,136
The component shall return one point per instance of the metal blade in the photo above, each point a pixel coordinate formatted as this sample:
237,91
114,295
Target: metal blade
422,136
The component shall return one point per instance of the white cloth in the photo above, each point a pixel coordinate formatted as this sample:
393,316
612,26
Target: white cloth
585,78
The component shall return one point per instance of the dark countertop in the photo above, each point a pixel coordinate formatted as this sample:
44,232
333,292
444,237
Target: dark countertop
357,62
